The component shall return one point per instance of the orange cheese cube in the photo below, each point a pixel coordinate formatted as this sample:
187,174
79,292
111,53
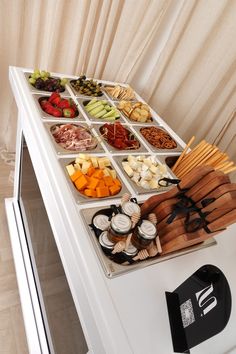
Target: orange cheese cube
114,189
108,181
76,175
81,182
90,193
102,192
93,183
98,174
91,170
117,182
101,183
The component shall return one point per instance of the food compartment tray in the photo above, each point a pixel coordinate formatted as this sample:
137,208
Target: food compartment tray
94,119
77,94
117,99
133,122
178,148
44,93
45,115
113,269
61,151
79,197
139,189
112,149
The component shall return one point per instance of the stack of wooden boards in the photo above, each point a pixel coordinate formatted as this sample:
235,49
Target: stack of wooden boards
203,154
203,203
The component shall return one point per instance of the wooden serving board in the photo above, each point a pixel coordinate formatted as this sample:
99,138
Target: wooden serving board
188,239
187,182
166,207
217,192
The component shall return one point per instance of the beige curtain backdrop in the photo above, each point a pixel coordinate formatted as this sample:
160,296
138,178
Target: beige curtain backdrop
180,55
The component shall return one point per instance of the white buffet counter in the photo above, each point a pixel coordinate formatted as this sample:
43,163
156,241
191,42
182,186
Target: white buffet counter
125,314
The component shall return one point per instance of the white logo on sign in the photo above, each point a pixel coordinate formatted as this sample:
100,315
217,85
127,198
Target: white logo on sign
204,301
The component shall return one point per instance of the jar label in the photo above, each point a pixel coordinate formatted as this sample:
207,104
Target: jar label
129,208
148,229
101,222
121,223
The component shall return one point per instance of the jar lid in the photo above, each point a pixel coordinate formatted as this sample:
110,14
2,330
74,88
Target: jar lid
105,242
101,222
147,230
121,223
131,251
129,208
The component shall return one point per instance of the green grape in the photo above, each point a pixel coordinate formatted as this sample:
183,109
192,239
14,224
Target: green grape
43,74
37,71
32,80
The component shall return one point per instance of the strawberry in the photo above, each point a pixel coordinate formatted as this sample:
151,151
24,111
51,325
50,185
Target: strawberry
43,103
68,112
64,104
56,101
49,109
53,96
57,112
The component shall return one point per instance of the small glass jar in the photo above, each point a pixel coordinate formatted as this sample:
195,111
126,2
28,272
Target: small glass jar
101,222
120,227
105,243
129,208
144,234
131,251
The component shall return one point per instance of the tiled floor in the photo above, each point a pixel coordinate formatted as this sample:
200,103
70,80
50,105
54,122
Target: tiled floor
12,333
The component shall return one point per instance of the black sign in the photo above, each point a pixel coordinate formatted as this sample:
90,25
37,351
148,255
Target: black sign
199,308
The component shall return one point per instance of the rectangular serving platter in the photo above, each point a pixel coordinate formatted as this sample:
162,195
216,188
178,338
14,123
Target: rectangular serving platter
47,116
61,151
113,150
79,197
153,148
94,119
44,93
112,269
139,189
86,97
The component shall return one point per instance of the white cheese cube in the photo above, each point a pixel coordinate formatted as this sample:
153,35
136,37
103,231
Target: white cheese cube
153,169
94,161
127,169
84,156
144,184
147,175
147,162
104,161
106,172
85,166
136,177
112,173
78,160
70,170
144,167
153,183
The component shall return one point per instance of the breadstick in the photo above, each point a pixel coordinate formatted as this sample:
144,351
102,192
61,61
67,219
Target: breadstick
183,153
224,165
195,161
231,169
192,156
194,151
